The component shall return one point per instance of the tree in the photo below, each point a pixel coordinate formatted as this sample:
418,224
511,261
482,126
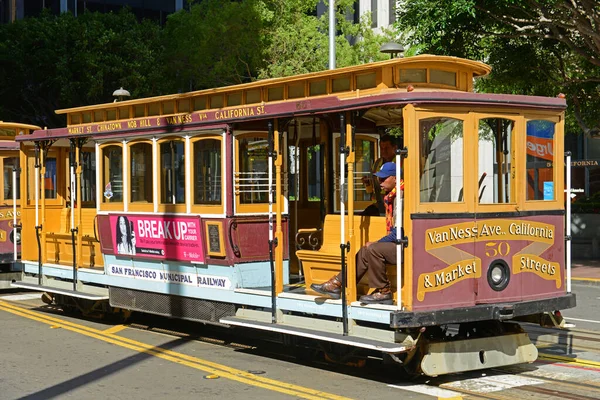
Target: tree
218,43
55,62
298,41
540,47
215,43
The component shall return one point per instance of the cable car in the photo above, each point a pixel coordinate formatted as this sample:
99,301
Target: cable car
226,205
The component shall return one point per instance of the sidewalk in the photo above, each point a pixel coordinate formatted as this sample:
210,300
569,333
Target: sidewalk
585,271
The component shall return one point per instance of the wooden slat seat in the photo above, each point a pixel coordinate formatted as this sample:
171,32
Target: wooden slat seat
59,245
323,262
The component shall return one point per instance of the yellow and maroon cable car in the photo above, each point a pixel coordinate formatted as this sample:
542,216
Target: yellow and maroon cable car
10,236
225,205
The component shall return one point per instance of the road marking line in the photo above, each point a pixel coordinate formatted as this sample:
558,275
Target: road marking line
582,320
19,297
569,360
114,329
179,358
430,391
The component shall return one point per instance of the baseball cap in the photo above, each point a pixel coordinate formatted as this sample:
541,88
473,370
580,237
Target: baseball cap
388,169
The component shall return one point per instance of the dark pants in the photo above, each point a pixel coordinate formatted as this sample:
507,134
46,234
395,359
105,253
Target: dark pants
372,259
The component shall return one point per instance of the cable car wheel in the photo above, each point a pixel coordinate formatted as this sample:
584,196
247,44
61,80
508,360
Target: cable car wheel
90,308
342,354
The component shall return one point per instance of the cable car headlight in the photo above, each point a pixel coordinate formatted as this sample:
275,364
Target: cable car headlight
15,236
498,275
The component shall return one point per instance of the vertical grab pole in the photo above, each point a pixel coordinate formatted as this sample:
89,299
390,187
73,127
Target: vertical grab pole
16,226
400,239
568,222
73,229
38,227
399,199
343,245
271,242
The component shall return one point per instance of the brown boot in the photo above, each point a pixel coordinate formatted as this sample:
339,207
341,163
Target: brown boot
331,288
379,296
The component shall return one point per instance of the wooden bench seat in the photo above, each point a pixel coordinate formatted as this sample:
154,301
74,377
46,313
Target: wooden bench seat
323,259
59,244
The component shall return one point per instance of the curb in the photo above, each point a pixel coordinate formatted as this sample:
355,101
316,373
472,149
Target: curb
586,281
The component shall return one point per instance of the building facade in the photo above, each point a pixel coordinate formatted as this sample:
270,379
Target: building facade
383,12
11,10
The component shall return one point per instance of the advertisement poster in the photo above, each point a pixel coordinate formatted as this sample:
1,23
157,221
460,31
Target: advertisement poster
540,137
163,237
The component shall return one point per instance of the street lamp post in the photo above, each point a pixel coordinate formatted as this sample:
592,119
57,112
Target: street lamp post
120,93
331,34
392,49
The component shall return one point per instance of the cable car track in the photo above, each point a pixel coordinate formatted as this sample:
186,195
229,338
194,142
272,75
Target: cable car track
563,389
573,339
214,335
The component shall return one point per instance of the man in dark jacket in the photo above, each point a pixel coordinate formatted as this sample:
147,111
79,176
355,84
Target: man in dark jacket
374,256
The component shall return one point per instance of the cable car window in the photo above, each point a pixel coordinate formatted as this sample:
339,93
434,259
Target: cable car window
441,160
413,75
172,175
112,176
7,168
50,178
366,153
8,133
495,183
88,179
365,158
253,177
442,77
140,172
314,157
540,157
294,165
207,171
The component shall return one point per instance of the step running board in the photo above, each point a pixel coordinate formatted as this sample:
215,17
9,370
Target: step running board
376,345
65,292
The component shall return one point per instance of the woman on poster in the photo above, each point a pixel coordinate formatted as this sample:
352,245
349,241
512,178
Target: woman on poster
125,236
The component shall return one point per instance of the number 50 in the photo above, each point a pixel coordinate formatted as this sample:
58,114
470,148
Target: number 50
492,249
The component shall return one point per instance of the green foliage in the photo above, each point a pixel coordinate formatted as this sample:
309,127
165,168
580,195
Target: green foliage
299,41
215,43
587,205
536,48
55,62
